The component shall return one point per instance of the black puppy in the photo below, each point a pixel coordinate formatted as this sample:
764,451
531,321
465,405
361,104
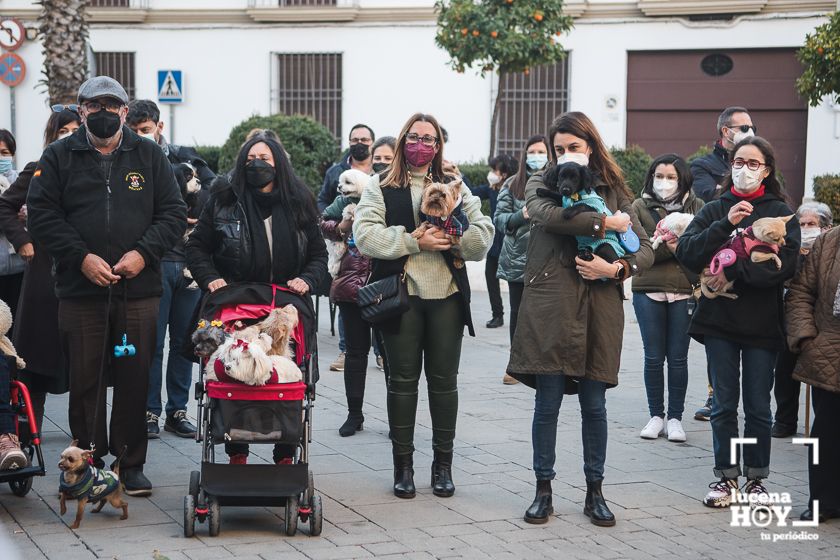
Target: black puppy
575,181
189,184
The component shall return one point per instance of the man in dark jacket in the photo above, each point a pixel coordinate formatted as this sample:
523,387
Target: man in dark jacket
180,294
733,124
106,207
357,157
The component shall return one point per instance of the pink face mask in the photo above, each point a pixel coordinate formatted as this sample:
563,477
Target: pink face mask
419,154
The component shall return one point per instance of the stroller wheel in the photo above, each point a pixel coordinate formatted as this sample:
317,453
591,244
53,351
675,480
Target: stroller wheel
214,516
21,488
194,480
292,509
316,518
189,515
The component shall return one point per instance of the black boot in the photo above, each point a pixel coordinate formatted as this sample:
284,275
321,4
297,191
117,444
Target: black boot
442,484
354,388
595,507
541,508
404,476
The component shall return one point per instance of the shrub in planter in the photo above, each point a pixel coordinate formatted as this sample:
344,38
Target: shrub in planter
311,146
634,162
827,190
210,154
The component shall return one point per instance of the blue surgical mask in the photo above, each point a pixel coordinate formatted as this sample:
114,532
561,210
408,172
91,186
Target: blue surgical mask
5,165
535,162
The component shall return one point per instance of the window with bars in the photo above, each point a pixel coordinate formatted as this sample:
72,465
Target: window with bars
306,3
310,84
529,103
117,65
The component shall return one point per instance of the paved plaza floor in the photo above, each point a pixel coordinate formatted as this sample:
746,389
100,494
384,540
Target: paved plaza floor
653,487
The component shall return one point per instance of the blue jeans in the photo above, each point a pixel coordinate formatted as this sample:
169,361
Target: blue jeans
664,328
726,361
176,309
593,412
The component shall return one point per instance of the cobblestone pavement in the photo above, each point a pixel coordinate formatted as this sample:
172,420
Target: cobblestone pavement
653,487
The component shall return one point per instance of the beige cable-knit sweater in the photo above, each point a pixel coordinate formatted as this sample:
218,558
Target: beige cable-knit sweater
427,275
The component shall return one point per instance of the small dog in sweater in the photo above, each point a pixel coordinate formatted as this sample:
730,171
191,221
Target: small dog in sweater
83,482
442,206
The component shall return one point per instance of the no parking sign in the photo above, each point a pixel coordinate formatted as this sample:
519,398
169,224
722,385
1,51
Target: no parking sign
12,69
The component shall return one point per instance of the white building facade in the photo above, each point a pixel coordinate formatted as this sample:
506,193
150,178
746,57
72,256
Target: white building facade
375,61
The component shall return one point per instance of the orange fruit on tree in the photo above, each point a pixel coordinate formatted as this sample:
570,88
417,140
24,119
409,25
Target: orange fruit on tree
538,16
494,34
475,33
464,31
820,51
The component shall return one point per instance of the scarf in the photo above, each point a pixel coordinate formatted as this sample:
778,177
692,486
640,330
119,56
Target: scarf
758,193
279,262
454,225
95,484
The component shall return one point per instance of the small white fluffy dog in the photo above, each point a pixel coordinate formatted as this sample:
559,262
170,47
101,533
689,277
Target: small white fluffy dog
351,183
670,227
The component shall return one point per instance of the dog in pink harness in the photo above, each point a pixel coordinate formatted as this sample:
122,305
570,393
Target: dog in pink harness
759,243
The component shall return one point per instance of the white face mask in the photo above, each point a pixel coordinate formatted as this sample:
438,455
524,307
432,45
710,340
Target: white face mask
65,135
665,189
150,136
737,136
745,180
493,178
809,235
574,157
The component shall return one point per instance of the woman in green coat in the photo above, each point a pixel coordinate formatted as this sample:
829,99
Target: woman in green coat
569,333
661,297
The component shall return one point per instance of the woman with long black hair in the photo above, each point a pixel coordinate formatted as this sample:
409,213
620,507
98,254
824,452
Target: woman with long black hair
261,226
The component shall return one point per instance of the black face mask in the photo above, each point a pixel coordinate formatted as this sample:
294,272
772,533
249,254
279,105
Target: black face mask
379,167
359,152
258,173
103,124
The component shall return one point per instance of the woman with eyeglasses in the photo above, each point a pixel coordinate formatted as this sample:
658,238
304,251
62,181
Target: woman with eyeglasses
742,336
428,336
571,322
35,333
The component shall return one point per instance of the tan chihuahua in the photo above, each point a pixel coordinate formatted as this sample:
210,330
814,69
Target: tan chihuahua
81,481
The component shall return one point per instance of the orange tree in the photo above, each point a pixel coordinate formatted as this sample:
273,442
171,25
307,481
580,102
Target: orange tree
501,36
821,58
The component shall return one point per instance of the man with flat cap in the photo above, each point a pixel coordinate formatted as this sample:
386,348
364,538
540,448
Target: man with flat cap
106,207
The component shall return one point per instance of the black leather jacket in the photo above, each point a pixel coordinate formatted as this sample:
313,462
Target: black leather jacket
220,246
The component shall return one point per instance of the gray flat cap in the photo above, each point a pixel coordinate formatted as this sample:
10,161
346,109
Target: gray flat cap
102,86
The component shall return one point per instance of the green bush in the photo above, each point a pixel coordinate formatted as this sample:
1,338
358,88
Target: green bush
634,162
210,154
701,151
827,190
311,146
476,174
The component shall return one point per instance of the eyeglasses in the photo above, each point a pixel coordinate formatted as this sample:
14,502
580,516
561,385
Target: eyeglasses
752,164
366,140
744,128
95,106
59,107
413,138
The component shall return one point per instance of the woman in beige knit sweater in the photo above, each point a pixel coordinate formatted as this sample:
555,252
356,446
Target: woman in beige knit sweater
430,333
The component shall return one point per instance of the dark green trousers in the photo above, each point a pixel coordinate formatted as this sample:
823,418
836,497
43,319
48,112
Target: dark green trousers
429,339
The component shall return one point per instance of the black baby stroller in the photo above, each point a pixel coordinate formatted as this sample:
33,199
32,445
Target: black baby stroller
273,413
20,480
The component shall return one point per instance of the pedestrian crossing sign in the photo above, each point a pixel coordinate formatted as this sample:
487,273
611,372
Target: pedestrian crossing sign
170,86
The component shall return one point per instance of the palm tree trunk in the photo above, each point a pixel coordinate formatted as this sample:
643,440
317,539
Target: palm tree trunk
63,29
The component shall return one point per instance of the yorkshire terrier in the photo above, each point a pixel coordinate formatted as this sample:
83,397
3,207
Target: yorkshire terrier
208,337
83,482
442,206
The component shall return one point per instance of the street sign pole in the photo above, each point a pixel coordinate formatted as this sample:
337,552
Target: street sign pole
13,119
172,123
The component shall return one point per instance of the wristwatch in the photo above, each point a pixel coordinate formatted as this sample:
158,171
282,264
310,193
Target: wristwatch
619,270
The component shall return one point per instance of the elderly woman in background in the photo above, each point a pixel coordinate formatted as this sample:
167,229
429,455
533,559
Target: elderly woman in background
814,219
813,330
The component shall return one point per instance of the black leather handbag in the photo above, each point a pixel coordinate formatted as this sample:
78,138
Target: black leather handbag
384,299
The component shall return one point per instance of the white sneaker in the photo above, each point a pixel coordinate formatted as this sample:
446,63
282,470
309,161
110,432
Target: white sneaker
653,429
757,493
675,430
720,495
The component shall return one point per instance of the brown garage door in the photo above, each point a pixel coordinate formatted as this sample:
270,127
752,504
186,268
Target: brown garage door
675,97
